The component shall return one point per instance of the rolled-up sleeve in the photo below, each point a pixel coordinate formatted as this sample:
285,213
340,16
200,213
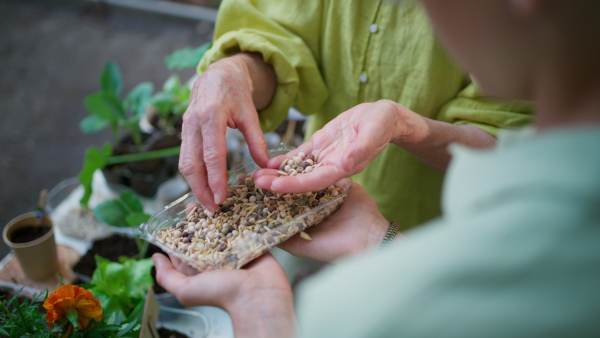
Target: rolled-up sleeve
287,38
471,106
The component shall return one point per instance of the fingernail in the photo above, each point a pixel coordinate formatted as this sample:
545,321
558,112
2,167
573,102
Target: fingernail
217,198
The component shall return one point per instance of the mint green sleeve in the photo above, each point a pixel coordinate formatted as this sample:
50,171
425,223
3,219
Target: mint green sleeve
471,106
286,33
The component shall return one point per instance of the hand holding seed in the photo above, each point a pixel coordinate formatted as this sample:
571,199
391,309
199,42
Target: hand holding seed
344,147
355,227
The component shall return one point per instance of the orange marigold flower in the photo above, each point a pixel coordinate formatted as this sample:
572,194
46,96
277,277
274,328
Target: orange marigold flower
73,297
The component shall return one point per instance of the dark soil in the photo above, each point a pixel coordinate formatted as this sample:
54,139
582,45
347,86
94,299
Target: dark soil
166,333
127,146
143,177
175,120
112,248
28,233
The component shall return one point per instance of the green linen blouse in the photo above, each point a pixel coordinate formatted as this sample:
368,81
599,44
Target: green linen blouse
332,55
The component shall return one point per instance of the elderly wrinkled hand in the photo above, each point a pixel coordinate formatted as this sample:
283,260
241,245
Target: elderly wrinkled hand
258,297
355,227
222,97
344,147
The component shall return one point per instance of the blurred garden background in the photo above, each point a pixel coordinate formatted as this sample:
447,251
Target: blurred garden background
51,55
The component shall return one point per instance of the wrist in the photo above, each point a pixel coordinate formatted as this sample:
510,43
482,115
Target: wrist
243,61
260,76
391,233
263,314
408,127
377,232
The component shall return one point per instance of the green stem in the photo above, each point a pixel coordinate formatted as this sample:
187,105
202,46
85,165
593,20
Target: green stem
142,247
150,155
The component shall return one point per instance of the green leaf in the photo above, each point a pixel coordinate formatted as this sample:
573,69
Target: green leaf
112,212
162,102
120,287
138,277
181,107
132,201
108,285
186,57
111,79
137,218
94,159
92,124
173,84
137,99
183,94
73,317
116,107
106,106
97,105
132,125
133,320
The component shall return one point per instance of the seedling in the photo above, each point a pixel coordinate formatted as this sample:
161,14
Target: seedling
173,100
128,212
108,109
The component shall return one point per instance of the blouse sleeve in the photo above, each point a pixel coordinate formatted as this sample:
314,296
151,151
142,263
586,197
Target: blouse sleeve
286,33
472,106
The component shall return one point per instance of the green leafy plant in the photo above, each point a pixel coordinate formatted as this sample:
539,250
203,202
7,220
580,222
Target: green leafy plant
24,317
173,100
187,57
108,109
127,211
98,158
174,97
121,288
20,317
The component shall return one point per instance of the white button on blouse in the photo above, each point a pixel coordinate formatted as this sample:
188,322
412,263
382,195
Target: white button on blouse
373,28
363,78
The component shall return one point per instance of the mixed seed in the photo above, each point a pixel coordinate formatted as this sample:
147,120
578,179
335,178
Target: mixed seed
299,164
249,222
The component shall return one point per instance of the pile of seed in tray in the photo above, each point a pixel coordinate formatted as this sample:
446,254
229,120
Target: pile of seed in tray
249,222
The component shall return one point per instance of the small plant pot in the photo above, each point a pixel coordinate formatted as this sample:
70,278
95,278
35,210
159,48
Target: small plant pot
36,254
71,218
143,177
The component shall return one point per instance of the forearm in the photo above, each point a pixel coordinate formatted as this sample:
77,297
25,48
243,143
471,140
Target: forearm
262,78
428,139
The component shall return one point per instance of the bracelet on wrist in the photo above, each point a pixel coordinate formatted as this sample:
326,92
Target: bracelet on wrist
390,235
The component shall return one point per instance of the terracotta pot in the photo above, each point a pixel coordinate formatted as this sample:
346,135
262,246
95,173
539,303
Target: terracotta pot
37,258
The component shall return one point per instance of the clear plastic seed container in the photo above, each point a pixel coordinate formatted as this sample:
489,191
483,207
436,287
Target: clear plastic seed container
183,230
